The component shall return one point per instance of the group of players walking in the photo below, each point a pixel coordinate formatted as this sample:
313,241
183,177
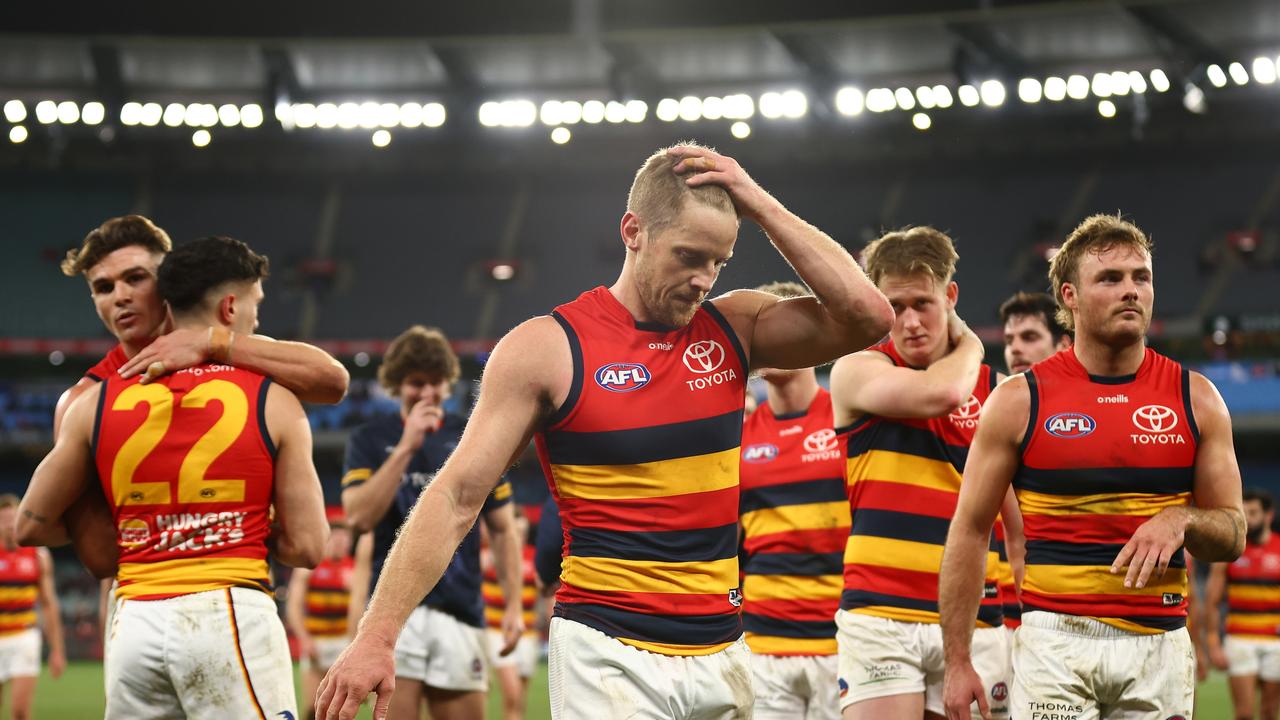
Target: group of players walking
872,584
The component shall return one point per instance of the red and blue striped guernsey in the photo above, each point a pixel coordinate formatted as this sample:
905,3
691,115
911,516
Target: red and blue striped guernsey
642,458
795,521
1253,592
19,585
1101,456
903,483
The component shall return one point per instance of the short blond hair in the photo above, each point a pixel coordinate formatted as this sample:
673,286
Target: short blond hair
785,289
658,194
1097,234
911,251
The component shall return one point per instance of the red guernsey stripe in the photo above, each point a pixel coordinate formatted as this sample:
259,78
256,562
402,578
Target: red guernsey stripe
805,610
1254,606
1112,606
891,581
1082,529
674,512
799,541
650,603
879,495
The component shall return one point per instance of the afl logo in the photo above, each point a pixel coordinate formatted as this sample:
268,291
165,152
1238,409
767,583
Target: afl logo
1155,418
972,408
622,377
821,440
1070,425
704,356
760,453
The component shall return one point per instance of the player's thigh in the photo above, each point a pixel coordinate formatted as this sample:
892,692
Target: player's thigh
137,677
1157,674
823,691
407,700
1243,656
590,674
878,658
1043,679
1244,694
511,684
22,691
1268,654
891,706
20,655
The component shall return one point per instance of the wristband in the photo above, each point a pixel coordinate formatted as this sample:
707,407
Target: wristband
220,344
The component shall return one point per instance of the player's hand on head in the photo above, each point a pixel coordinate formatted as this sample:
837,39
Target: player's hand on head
703,166
960,689
1153,545
180,349
366,666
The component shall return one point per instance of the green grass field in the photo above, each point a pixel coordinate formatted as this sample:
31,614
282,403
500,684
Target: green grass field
78,696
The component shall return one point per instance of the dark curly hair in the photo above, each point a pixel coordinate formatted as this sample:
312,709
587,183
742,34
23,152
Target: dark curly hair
189,272
418,349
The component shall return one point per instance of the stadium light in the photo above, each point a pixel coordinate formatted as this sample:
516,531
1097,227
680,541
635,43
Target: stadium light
739,107
305,115
668,109
68,112
636,110
1106,108
559,136
969,96
592,111
93,113
251,115
904,98
1077,87
1238,73
131,114
921,121
17,134
1055,89
712,108
615,112
850,101
1216,76
1264,70
570,112
924,96
1030,90
229,115
1137,82
369,116
878,100
47,112
1120,83
388,115
942,96
381,138
690,108
992,93
15,111
348,115
411,115
794,104
549,113
434,114
1159,80
201,138
1193,99
174,114
1101,85
740,130
327,115
151,114
771,105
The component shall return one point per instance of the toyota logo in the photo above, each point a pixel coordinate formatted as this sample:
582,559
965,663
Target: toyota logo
970,409
821,441
704,356
1155,418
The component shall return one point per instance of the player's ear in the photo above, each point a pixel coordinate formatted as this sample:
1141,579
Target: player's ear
227,308
630,228
953,293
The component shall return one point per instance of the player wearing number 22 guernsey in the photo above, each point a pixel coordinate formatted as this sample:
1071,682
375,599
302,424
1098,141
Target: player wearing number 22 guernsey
191,466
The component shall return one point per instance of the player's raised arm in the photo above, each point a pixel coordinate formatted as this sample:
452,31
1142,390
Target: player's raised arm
514,397
311,373
868,383
847,312
993,459
298,498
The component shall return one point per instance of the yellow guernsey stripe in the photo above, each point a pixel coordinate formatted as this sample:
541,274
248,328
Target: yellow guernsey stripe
188,575
813,516
664,478
356,475
890,553
896,613
1096,580
1272,619
328,599
1134,504
895,467
1255,593
772,645
792,587
715,577
316,626
674,649
26,593
18,620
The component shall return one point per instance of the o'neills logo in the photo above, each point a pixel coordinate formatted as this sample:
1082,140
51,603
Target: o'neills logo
1155,422
966,416
705,358
821,445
